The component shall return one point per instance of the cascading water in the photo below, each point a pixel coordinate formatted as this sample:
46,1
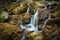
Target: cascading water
45,13
33,26
35,22
27,11
45,22
28,2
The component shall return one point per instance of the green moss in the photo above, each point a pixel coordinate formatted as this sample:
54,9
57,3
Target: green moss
9,31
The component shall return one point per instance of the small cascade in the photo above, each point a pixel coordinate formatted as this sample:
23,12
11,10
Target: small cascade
33,25
28,3
31,21
21,24
45,14
35,22
49,16
27,11
35,17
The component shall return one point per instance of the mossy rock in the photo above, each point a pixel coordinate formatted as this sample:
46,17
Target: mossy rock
33,36
20,9
4,16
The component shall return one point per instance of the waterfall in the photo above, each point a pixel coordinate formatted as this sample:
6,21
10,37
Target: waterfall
27,11
28,3
49,16
33,25
46,21
31,21
35,20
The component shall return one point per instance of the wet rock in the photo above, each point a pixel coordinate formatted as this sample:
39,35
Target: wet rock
26,18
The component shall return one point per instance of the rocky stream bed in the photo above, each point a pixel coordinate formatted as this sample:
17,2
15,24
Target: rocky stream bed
17,12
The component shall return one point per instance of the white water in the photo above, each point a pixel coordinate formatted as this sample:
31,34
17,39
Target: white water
35,21
33,26
28,3
27,11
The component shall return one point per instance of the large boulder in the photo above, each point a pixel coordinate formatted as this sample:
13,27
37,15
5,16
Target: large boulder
4,16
